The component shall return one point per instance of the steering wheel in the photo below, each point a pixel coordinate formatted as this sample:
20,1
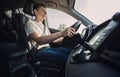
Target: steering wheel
76,25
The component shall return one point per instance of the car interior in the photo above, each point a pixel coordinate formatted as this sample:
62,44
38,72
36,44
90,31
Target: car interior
96,54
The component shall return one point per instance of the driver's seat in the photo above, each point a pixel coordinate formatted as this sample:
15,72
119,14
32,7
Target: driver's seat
43,66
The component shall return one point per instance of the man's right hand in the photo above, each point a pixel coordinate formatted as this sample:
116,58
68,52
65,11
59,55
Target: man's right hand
68,32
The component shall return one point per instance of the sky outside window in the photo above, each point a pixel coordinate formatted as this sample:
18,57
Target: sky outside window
98,10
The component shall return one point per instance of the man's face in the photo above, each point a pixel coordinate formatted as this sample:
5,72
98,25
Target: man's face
41,12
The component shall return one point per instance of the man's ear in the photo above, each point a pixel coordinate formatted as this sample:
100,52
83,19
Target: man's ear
34,11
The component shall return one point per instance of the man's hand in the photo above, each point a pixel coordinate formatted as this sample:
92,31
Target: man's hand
68,32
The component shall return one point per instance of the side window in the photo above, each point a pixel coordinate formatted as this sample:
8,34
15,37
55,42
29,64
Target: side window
58,19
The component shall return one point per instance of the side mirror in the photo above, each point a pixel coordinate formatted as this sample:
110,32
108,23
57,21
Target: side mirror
62,27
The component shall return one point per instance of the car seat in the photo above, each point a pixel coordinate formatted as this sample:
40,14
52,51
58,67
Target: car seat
12,56
7,32
46,67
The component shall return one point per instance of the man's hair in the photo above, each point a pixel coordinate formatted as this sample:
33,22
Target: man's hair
38,5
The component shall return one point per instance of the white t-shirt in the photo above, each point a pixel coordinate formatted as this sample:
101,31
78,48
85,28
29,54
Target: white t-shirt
34,26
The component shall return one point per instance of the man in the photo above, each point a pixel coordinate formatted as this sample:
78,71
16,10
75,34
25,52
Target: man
40,34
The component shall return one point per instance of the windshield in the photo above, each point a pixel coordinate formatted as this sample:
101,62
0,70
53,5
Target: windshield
97,10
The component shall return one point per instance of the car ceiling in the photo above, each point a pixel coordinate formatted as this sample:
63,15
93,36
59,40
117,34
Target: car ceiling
14,4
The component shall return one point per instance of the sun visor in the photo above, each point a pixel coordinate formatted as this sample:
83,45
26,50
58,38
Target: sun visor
67,3
64,2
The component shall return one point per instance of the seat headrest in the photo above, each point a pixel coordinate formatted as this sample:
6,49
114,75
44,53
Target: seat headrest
116,17
28,8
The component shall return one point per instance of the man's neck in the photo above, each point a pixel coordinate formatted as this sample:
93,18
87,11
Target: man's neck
39,19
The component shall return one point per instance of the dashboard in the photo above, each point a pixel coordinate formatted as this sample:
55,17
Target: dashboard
103,41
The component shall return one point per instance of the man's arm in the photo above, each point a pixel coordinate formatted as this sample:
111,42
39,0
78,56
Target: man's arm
52,37
44,39
59,40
